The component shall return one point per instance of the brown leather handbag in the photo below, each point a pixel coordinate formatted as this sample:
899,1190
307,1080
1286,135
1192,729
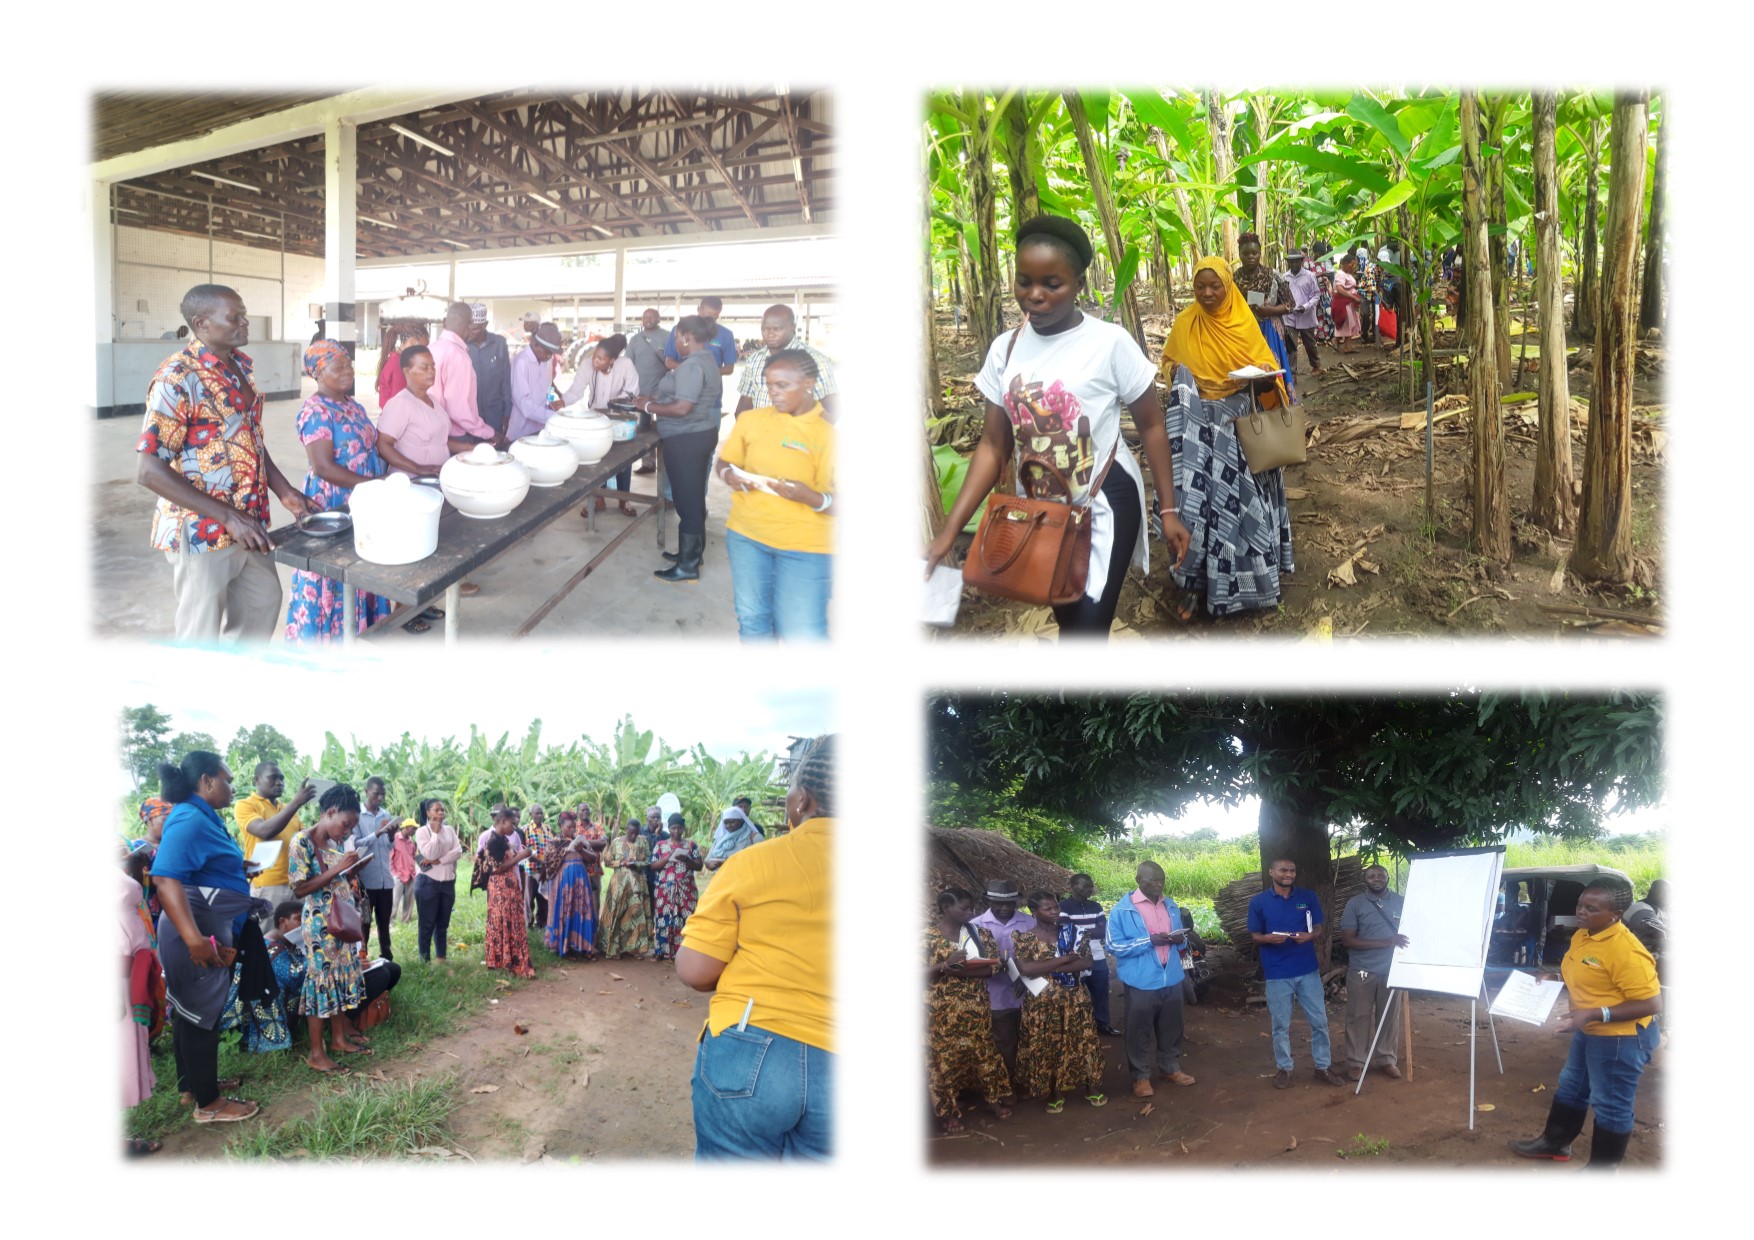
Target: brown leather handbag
344,921
1034,550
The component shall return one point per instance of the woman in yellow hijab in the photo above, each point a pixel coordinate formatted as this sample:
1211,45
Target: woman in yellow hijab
1241,531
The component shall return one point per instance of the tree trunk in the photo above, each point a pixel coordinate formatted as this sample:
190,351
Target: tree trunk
1650,309
1182,210
1097,169
1218,122
1163,300
1584,315
1290,831
1554,509
934,501
985,302
1023,160
1489,535
1604,537
1497,108
1260,108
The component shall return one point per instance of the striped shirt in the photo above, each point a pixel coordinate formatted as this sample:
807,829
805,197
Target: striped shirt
753,383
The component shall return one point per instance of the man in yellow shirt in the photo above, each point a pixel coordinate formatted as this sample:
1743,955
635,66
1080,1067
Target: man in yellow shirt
262,818
761,943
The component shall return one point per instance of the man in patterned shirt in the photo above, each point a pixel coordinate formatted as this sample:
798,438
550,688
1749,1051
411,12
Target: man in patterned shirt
779,329
202,453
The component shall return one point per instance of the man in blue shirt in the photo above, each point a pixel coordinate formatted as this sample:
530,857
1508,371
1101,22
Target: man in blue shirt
1144,931
1285,920
723,346
1087,915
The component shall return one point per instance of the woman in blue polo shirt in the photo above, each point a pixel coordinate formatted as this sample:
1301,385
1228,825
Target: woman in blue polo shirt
198,874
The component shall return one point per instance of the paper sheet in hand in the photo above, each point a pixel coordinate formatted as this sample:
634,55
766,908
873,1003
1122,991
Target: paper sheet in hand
760,482
1525,999
942,597
1034,985
265,853
1253,372
1257,298
350,869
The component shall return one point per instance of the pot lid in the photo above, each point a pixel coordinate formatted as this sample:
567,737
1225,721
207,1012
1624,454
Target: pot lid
542,439
482,454
396,490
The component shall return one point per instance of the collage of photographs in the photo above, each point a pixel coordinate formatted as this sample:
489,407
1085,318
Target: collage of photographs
1232,638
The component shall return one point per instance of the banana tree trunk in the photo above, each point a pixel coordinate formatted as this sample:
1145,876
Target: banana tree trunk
1105,209
1497,108
1584,315
1182,210
1023,161
1554,509
1489,534
1163,302
1218,123
1650,309
934,501
1604,537
986,300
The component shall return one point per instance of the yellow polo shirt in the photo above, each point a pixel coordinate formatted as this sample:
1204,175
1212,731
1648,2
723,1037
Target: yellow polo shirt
778,445
249,810
768,914
1605,970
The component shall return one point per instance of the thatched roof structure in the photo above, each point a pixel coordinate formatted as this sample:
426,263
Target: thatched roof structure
1232,905
966,857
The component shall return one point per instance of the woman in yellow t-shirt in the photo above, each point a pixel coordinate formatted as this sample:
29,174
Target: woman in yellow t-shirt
761,942
779,465
1611,982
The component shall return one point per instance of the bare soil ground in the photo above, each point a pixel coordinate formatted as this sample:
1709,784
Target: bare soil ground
602,1073
1233,1117
1368,561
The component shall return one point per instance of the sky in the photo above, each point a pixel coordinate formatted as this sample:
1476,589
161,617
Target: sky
305,698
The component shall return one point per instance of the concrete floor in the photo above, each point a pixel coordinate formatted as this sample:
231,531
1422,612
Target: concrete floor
131,594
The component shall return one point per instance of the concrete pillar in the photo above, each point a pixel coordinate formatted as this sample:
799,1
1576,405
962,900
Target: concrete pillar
103,289
340,225
620,287
451,287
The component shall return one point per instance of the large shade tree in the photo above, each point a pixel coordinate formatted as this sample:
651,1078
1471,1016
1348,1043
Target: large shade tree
1401,773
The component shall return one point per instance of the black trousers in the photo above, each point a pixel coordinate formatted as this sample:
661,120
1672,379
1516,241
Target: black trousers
377,982
1094,617
433,901
196,1051
1307,335
687,460
1154,1017
378,902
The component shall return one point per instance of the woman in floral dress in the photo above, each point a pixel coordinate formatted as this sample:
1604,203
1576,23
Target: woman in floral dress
1057,1051
626,925
508,942
959,1027
332,985
675,861
342,445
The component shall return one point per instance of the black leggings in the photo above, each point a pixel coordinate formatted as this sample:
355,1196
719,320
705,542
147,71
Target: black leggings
1090,617
687,460
196,1051
433,900
377,908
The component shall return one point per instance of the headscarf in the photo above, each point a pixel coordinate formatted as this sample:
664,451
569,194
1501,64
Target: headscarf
1211,344
153,807
320,354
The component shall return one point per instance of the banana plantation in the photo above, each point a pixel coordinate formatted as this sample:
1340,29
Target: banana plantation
616,777
1486,459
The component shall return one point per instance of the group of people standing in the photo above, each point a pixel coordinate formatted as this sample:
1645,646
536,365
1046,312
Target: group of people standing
202,452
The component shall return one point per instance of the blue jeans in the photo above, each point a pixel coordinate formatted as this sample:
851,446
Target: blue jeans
758,1095
778,593
1307,990
1602,1072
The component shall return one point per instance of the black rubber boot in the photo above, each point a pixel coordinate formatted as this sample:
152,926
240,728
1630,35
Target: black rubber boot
1564,1122
687,566
1606,1148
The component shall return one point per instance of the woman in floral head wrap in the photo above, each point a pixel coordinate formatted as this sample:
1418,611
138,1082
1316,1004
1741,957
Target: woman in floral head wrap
342,445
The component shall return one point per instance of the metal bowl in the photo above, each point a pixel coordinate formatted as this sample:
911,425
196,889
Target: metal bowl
325,524
427,480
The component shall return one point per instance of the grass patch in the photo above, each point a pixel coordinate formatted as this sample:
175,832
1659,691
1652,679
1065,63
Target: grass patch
429,1002
362,1119
1363,1147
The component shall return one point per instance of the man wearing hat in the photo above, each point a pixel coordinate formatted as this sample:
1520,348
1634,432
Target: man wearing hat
532,382
1004,995
1306,294
493,369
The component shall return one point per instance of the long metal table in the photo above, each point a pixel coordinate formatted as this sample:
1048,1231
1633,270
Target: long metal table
466,543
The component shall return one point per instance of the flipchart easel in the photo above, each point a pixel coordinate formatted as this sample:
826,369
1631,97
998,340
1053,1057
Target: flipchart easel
1447,918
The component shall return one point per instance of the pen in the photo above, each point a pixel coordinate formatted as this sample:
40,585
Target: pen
743,1024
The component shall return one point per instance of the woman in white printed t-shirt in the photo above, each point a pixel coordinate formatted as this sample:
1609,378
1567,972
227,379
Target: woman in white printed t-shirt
1061,380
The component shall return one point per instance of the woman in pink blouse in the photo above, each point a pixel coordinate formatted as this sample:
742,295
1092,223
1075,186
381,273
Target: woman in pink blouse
414,434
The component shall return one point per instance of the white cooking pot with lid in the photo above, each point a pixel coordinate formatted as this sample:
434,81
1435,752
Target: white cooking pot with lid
550,460
484,483
589,433
394,521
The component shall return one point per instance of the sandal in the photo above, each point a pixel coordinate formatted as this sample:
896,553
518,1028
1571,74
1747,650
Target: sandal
433,613
628,510
213,1116
1096,1100
418,625
951,1127
350,1050
339,1069
136,1148
1056,1106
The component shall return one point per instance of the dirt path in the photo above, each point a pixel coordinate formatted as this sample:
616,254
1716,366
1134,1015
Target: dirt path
1233,1117
1367,494
602,1072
